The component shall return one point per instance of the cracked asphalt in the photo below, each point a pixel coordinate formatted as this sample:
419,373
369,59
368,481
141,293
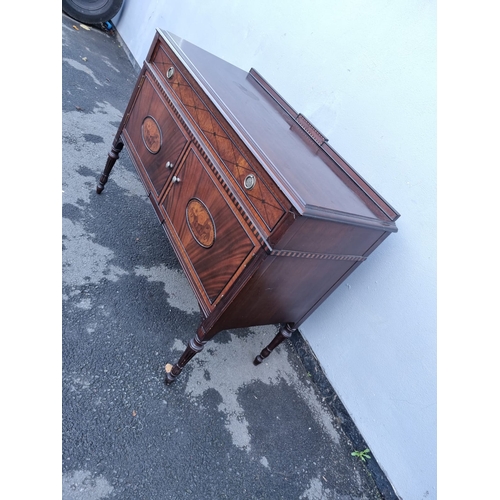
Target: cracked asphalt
225,429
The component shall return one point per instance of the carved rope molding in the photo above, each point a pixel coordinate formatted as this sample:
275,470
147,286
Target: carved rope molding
309,255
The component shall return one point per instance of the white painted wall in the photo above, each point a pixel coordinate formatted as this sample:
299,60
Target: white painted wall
365,74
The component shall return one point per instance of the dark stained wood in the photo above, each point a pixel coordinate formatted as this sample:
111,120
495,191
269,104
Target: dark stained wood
113,155
266,218
215,265
157,164
285,332
268,204
195,346
285,150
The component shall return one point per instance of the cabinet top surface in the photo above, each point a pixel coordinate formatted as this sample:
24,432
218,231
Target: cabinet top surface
316,180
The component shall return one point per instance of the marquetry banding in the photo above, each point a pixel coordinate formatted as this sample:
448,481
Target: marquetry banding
309,255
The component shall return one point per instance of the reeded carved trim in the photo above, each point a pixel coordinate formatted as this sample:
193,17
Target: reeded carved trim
309,255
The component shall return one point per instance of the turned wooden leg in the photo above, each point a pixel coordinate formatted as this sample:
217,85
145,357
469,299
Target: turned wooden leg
285,332
194,347
112,157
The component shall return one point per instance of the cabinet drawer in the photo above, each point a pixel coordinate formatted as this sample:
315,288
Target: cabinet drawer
251,181
156,138
215,243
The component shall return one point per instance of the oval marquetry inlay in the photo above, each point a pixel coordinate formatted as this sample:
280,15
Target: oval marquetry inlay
151,134
200,223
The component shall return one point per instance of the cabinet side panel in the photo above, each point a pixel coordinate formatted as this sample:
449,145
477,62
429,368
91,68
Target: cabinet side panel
328,237
309,262
283,291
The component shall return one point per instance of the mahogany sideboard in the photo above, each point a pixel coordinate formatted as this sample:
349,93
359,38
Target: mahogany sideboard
266,219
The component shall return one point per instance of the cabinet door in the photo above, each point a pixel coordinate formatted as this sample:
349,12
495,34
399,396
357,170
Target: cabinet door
215,245
157,140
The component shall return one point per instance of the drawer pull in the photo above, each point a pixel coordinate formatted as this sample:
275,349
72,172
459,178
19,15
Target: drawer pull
170,72
169,165
175,179
249,181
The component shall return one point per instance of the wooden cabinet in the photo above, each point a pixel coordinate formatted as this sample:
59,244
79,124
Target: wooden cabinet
215,244
267,220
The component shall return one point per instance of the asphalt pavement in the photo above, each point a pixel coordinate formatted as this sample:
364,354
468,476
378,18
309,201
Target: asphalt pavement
225,429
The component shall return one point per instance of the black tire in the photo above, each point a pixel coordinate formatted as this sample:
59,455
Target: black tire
91,11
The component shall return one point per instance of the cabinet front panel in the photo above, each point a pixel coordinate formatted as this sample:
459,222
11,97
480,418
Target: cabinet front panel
215,241
156,137
249,178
